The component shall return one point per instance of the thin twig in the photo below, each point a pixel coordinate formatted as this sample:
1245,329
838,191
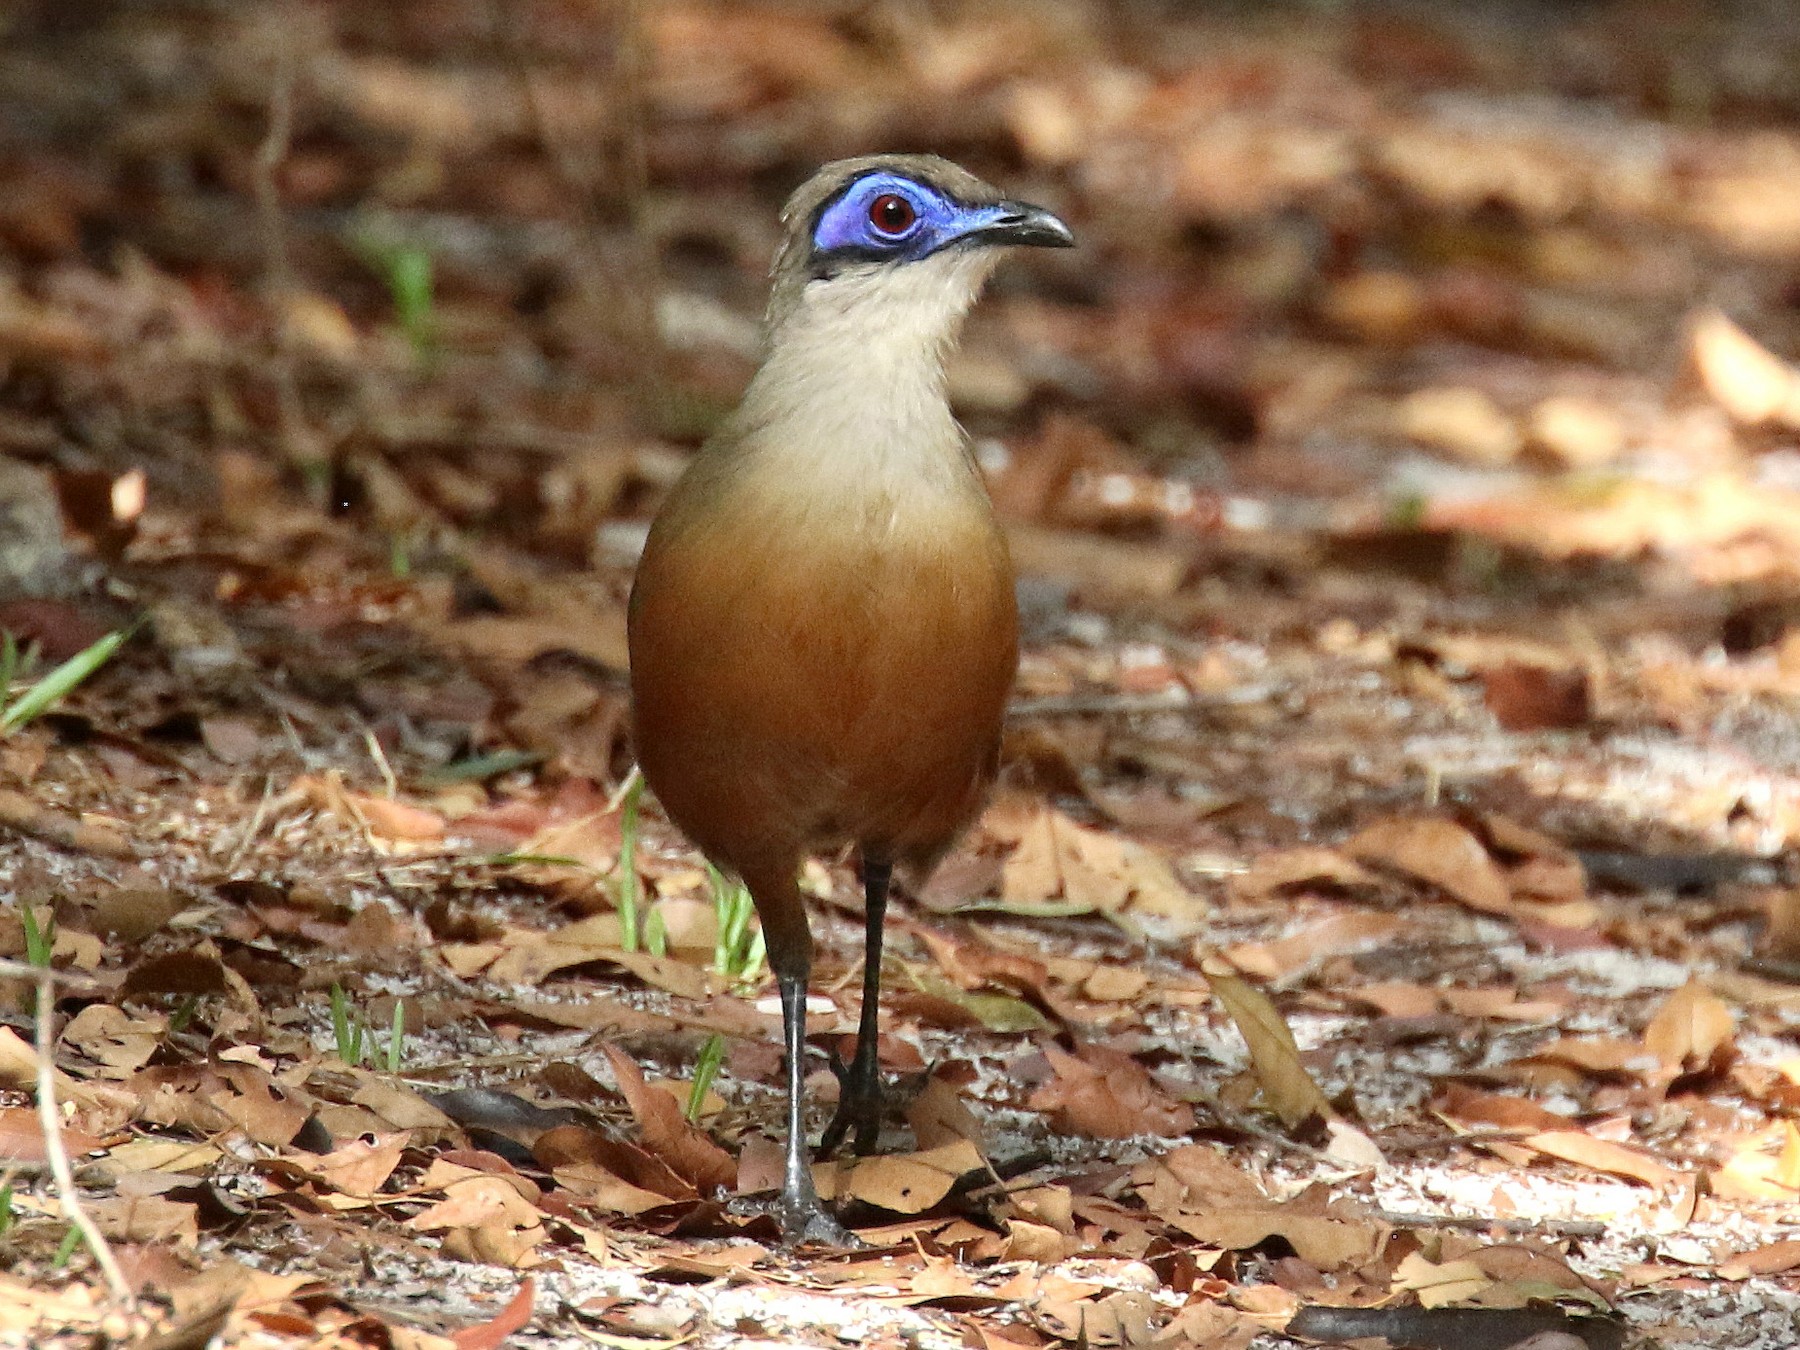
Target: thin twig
1429,1143
1113,705
390,784
1591,1228
257,819
296,437
50,1123
622,791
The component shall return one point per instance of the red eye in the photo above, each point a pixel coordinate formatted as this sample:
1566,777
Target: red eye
892,214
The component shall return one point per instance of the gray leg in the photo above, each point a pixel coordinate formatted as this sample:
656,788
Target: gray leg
802,1217
859,1095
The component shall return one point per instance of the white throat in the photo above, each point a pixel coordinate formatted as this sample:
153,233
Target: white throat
851,392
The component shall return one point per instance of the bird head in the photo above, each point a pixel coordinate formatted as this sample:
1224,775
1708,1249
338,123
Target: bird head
897,241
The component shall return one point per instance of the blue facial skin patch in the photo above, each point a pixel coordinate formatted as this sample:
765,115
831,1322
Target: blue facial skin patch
846,232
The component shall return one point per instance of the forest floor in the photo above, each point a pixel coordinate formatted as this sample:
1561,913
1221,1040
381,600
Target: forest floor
1404,476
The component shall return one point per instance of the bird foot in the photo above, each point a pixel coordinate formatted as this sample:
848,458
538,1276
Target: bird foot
803,1220
862,1104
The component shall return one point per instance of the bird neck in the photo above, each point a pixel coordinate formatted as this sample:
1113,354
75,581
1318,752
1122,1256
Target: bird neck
852,388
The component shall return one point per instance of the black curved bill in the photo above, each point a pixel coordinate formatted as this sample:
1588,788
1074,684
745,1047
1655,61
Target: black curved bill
1022,224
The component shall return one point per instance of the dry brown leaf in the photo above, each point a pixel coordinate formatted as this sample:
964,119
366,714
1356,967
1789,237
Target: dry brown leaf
1525,696
669,973
1330,1242
1533,1270
118,1043
1348,1146
1027,1241
1353,931
667,1133
1052,1206
495,1332
1751,1174
531,957
19,1066
903,1183
1743,377
250,1098
133,913
1499,1276
975,964
1436,851
22,1136
943,1003
484,1218
1512,841
939,1116
1287,1088
397,821
1208,1176
1478,1110
1126,1318
398,1105
1594,1055
1107,1095
229,1283
27,1307
1774,1258
1781,936
1691,1030
1461,421
1398,999
1438,1285
1578,432
1291,869
358,1168
1502,1003
76,950
1206,1325
198,970
591,839
146,1219
1055,858
1115,984
1602,1155
174,1156
599,1187
221,1096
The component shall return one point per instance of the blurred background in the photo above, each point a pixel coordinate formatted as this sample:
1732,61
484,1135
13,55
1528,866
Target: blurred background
1404,476
1386,315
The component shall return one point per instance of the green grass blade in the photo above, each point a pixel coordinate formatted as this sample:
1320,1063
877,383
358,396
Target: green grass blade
396,1036
46,692
66,1248
630,893
706,1068
344,1028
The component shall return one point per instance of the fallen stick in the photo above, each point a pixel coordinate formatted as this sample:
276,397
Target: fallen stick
20,813
50,1122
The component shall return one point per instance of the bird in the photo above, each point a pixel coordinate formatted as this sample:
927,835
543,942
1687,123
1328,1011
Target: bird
822,627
